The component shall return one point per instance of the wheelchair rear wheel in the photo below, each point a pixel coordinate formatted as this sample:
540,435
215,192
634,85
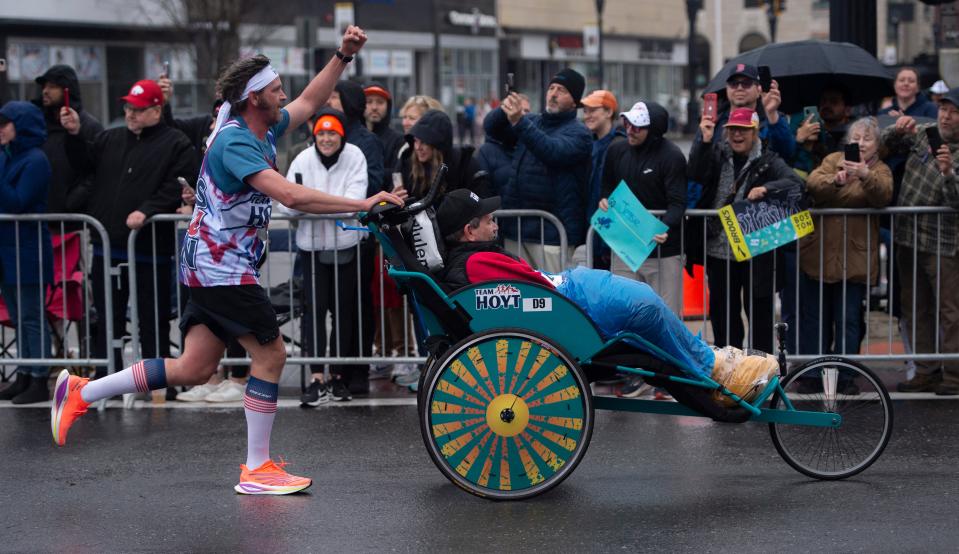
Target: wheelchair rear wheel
505,414
839,385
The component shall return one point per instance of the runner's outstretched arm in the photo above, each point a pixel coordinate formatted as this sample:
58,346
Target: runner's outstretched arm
312,201
315,95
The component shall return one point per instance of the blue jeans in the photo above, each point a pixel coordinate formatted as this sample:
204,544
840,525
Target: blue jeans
26,307
838,320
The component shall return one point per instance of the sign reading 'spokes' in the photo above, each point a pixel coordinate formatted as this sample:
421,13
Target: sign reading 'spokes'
754,228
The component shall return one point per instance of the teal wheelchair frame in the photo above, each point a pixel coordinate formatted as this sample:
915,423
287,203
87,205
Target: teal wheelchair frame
506,407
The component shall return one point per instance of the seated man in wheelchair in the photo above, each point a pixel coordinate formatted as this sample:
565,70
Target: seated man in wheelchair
615,304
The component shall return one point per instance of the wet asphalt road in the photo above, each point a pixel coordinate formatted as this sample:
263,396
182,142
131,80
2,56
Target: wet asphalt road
161,480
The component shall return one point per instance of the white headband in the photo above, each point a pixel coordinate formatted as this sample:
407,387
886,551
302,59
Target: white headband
258,82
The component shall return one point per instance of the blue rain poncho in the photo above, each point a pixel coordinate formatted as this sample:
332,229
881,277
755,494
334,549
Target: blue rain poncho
617,304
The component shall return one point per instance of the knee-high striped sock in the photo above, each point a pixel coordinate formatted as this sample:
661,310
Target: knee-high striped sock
143,376
259,404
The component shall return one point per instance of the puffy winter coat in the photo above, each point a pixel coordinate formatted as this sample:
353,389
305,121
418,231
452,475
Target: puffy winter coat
347,178
550,172
495,156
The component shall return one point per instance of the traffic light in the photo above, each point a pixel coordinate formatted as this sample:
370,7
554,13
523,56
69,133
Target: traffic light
777,6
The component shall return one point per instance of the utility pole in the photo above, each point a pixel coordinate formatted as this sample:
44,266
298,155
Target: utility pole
692,107
773,8
600,4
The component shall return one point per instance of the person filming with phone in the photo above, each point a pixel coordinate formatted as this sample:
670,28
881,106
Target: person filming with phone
820,130
748,87
836,258
932,242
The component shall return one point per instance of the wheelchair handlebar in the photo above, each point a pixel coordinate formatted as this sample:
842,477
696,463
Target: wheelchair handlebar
391,213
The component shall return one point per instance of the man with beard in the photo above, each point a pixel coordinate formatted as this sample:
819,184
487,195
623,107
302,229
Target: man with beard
379,110
550,172
54,86
221,254
817,140
931,243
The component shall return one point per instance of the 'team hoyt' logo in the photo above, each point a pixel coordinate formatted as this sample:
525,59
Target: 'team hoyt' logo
499,297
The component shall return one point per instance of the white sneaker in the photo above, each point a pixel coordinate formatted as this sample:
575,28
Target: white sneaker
401,371
413,376
229,391
199,394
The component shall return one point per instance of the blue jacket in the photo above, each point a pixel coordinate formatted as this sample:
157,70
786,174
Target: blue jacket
495,156
922,107
550,172
24,183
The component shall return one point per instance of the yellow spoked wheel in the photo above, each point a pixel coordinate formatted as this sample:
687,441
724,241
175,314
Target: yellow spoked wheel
505,414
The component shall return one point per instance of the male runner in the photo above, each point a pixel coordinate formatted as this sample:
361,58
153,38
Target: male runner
220,257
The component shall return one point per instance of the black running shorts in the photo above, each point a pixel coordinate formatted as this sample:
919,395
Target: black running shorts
231,312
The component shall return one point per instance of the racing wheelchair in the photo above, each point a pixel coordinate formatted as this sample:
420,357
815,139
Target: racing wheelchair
505,404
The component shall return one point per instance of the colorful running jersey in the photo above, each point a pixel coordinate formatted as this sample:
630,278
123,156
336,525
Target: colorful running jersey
222,247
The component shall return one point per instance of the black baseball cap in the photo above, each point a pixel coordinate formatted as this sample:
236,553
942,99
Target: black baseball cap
462,205
745,70
952,97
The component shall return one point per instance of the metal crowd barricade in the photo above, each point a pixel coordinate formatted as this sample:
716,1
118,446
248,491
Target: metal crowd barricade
544,217
278,273
885,286
61,310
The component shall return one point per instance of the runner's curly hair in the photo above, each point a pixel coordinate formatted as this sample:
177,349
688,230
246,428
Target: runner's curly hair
235,77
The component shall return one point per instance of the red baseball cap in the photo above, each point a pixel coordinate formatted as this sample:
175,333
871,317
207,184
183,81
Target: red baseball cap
743,117
144,94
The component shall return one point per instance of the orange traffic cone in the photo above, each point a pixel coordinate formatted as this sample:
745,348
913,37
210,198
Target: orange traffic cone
695,293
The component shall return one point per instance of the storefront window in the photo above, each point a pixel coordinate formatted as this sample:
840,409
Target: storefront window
28,60
474,77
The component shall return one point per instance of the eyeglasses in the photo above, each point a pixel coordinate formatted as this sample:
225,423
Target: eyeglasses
741,83
739,130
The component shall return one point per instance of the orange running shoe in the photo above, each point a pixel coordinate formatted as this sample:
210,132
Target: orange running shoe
67,406
270,478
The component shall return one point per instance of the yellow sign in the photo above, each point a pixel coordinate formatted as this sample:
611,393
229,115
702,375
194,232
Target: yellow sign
734,233
770,237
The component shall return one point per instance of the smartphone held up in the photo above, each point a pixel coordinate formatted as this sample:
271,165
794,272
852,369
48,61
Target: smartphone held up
710,106
851,153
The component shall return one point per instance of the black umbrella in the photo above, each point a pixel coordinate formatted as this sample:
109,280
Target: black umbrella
804,68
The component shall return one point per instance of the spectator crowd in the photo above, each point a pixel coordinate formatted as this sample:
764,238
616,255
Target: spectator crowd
565,161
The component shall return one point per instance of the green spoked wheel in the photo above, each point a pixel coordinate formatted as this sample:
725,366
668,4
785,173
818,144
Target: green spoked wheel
506,415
